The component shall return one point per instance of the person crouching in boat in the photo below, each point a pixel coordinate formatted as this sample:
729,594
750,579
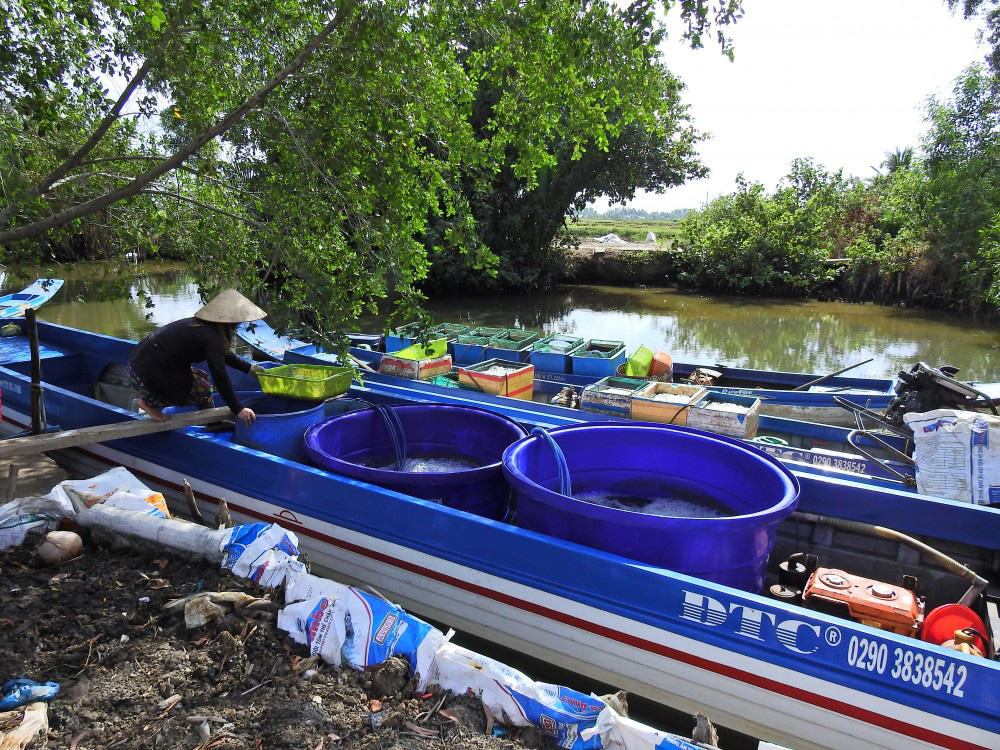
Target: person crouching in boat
161,369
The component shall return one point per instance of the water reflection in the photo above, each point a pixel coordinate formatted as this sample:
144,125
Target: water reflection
107,298
766,334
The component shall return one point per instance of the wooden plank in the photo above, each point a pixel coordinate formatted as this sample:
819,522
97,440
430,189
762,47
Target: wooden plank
24,446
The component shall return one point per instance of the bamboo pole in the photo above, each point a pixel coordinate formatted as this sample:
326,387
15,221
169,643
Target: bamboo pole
36,371
31,444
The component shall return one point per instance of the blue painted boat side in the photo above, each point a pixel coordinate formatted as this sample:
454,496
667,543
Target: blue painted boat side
801,640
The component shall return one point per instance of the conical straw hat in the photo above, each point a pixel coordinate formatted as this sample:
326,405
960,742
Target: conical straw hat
230,307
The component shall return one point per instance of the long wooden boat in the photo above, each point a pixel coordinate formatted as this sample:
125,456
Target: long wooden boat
775,670
806,443
773,388
32,296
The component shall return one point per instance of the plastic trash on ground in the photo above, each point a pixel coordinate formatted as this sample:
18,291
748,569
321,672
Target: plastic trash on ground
957,455
18,692
301,585
261,552
26,514
347,626
515,699
119,488
617,732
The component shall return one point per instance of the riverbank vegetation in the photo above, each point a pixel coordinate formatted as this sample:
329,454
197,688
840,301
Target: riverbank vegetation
924,231
332,154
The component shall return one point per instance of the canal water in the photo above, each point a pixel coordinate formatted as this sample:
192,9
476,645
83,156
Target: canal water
790,335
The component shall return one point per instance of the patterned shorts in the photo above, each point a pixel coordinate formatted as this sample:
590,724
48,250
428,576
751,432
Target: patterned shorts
200,395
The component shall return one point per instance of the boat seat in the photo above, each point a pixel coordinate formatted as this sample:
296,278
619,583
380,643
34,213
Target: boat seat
113,387
16,349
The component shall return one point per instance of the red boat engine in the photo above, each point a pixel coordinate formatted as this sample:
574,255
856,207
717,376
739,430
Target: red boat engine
881,605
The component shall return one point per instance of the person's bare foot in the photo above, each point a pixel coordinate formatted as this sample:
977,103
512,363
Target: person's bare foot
155,414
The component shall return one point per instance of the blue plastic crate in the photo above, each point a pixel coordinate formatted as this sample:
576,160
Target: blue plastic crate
545,359
598,358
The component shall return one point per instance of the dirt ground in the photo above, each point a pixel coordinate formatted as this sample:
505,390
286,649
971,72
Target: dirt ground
133,676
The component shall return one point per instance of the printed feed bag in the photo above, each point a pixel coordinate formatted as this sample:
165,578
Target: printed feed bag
360,630
119,488
517,700
261,552
957,455
618,732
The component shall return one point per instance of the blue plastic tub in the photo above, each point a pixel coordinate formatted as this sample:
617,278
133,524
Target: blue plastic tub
345,443
643,461
598,359
280,424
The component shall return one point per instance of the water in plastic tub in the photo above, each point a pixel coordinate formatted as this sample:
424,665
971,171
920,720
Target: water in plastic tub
676,498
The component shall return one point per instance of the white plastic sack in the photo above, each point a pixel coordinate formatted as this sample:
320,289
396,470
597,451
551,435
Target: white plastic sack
617,732
119,488
301,585
957,455
21,516
261,552
360,630
516,700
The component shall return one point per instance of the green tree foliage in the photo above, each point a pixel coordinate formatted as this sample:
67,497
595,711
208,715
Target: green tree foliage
926,232
752,242
307,147
612,129
963,186
921,233
989,12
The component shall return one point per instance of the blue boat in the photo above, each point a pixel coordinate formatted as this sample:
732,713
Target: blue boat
31,297
773,388
787,673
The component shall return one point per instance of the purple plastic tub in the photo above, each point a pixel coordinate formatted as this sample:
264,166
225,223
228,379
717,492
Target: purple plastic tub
694,472
358,445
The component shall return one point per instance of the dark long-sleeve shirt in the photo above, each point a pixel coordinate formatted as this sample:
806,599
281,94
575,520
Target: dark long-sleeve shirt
164,358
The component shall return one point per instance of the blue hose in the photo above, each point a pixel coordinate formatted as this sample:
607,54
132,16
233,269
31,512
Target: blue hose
565,485
393,426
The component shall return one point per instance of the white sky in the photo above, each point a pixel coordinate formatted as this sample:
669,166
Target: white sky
843,82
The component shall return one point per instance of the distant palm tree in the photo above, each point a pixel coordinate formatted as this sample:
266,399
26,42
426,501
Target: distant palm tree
901,158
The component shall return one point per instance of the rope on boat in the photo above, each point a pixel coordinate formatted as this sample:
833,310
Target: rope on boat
565,486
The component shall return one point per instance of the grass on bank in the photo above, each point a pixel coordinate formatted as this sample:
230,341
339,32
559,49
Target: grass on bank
633,230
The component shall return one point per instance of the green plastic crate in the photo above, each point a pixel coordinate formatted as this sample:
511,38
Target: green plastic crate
558,343
447,330
449,380
481,335
601,348
514,339
306,382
